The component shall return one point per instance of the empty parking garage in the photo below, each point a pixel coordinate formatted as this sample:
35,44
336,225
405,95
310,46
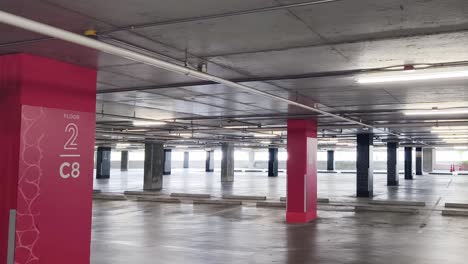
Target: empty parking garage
267,131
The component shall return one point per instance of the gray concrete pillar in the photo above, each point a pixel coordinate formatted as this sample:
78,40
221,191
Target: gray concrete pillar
186,159
167,161
428,159
392,164
124,160
273,162
209,165
364,165
154,166
408,163
227,162
418,161
330,160
103,163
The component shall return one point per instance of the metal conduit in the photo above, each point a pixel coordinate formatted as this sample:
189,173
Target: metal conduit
58,33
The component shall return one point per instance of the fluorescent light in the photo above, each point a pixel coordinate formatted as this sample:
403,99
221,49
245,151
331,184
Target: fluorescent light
449,131
237,127
436,112
184,135
456,140
122,145
411,76
265,142
148,123
450,128
331,142
264,135
460,147
453,136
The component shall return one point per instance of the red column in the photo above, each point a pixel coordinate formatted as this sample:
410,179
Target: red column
302,171
47,109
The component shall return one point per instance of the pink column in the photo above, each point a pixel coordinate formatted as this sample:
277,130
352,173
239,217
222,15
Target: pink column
302,171
47,109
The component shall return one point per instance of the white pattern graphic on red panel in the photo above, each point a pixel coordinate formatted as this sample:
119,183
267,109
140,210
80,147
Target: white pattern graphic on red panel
27,232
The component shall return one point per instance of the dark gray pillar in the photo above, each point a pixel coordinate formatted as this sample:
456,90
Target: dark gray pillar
364,165
209,164
392,164
167,161
124,161
186,160
419,161
428,159
273,162
330,160
154,166
103,163
227,162
408,163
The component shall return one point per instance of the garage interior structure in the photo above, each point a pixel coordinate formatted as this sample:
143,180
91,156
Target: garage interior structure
236,131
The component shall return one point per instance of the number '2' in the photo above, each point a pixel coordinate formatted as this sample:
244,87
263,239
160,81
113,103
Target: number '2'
72,129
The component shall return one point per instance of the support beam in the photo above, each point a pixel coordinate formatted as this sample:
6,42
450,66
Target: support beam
418,161
186,159
302,171
167,161
392,164
48,113
330,160
428,159
273,162
227,162
408,163
154,166
124,160
364,165
103,163
209,164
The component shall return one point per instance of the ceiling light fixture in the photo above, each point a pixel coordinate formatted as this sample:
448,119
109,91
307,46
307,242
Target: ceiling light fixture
453,136
264,135
457,128
436,112
238,127
412,75
460,147
449,131
148,123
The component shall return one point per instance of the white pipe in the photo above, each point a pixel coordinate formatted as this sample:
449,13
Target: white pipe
58,33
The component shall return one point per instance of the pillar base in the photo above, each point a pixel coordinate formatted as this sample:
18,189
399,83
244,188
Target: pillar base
102,177
300,218
393,183
365,194
209,170
228,180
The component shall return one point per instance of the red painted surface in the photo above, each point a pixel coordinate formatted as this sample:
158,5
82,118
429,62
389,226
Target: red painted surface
302,171
42,97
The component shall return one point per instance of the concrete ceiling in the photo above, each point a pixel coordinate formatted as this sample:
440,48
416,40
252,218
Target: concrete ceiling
311,54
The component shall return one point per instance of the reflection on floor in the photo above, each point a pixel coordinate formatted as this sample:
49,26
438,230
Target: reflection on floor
147,233
341,187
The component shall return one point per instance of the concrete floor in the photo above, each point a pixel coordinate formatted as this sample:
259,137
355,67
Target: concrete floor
433,189
147,233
